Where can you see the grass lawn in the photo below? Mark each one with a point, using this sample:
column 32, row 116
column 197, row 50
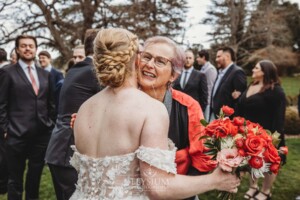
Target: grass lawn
column 291, row 85
column 286, row 187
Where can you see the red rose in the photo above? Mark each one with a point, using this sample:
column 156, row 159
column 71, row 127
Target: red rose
column 271, row 154
column 239, row 143
column 284, row 150
column 253, row 145
column 241, row 152
column 231, row 128
column 220, row 128
column 227, row 110
column 242, row 129
column 274, row 168
column 211, row 128
column 256, row 162
column 239, row 121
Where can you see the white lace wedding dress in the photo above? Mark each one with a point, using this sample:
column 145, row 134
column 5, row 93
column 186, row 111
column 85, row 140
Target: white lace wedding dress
column 118, row 177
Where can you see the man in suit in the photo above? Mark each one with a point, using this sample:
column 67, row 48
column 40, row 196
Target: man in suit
column 80, row 84
column 211, row 74
column 27, row 118
column 79, row 53
column 230, row 83
column 192, row 82
column 55, row 75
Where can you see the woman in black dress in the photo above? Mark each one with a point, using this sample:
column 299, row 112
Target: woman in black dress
column 264, row 103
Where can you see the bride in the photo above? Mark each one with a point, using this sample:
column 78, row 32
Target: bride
column 121, row 145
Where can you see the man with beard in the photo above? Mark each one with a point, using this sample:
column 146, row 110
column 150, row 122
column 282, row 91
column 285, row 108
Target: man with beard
column 230, row 83
column 26, row 119
column 192, row 82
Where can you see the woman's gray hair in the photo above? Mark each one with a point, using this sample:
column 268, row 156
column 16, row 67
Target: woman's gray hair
column 178, row 60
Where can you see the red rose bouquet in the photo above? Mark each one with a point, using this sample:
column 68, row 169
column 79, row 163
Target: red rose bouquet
column 241, row 145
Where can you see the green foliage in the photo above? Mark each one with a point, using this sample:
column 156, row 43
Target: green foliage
column 291, row 86
column 286, row 186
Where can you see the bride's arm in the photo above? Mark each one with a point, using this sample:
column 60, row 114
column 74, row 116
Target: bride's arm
column 162, row 185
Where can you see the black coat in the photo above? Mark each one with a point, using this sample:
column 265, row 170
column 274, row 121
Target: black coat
column 56, row 80
column 266, row 108
column 195, row 87
column 21, row 111
column 233, row 79
column 79, row 85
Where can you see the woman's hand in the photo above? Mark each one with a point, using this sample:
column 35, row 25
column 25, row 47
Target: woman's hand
column 236, row 94
column 225, row 181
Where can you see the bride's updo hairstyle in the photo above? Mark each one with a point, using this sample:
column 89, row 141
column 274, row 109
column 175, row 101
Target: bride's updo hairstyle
column 115, row 50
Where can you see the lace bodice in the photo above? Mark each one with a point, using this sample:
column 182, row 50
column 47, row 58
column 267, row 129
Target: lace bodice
column 118, row 177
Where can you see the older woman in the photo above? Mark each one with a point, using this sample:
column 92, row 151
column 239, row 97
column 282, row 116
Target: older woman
column 160, row 63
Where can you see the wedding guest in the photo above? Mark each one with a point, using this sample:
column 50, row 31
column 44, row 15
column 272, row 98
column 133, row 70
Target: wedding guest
column 80, row 84
column 192, row 82
column 55, row 75
column 78, row 53
column 264, row 103
column 211, row 74
column 13, row 57
column 112, row 147
column 230, row 83
column 161, row 61
column 27, row 115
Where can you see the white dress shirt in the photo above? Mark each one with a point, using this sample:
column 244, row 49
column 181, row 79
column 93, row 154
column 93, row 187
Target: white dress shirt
column 24, row 66
column 183, row 74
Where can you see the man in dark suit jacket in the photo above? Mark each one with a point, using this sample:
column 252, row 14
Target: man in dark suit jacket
column 26, row 118
column 55, row 75
column 79, row 85
column 230, row 83
column 192, row 82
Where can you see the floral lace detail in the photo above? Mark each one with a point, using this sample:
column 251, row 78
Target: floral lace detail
column 117, row 177
column 161, row 159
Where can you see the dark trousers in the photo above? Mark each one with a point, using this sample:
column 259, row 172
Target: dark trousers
column 18, row 151
column 3, row 168
column 64, row 180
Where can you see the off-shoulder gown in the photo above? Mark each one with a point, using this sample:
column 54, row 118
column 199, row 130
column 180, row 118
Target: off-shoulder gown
column 119, row 177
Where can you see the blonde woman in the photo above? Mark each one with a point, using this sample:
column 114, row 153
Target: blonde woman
column 122, row 149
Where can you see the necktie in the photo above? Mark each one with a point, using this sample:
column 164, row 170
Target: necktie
column 184, row 80
column 33, row 82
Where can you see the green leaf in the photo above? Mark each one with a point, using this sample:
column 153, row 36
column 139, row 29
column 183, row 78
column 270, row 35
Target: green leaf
column 204, row 137
column 204, row 122
column 209, row 145
column 212, row 152
column 275, row 138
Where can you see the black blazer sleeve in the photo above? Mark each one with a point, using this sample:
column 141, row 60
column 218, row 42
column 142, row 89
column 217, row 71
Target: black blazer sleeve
column 279, row 105
column 4, row 88
column 203, row 91
column 51, row 100
column 239, row 84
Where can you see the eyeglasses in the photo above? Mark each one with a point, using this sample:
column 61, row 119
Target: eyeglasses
column 158, row 60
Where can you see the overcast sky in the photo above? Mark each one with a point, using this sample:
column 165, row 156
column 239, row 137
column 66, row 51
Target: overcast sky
column 197, row 11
